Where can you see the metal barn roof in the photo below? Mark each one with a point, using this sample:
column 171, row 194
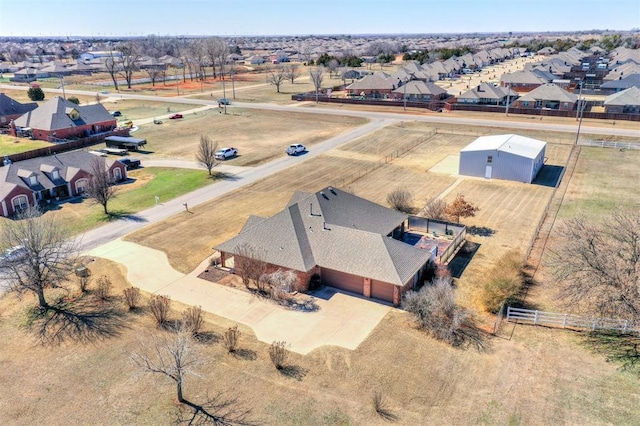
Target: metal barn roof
column 514, row 144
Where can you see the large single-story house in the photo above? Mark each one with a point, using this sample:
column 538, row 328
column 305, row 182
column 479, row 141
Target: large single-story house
column 488, row 94
column 60, row 119
column 376, row 86
column 509, row 157
column 548, row 96
column 523, row 81
column 625, row 102
column 45, row 179
column 349, row 242
column 417, row 90
column 11, row 109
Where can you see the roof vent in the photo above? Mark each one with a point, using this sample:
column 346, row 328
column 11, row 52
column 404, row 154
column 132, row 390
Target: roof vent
column 324, row 195
column 333, row 191
column 324, row 227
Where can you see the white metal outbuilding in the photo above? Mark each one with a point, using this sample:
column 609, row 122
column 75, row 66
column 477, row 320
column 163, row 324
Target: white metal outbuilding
column 509, row 157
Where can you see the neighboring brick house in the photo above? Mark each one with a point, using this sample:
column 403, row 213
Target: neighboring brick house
column 419, row 91
column 488, row 94
column 46, row 179
column 376, row 86
column 350, row 242
column 523, row 81
column 625, row 102
column 60, row 119
column 547, row 96
column 11, row 109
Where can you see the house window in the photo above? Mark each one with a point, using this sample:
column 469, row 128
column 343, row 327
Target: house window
column 489, row 159
column 33, row 180
column 21, row 202
column 55, row 174
column 81, row 186
column 117, row 174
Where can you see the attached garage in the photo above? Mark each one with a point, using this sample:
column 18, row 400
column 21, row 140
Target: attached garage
column 342, row 280
column 509, row 157
column 381, row 290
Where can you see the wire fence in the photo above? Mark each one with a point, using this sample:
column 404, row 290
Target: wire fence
column 342, row 183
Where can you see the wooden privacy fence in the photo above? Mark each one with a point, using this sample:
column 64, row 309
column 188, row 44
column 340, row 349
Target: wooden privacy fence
column 553, row 319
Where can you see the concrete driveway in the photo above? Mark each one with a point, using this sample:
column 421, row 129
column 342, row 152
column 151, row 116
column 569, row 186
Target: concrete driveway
column 341, row 320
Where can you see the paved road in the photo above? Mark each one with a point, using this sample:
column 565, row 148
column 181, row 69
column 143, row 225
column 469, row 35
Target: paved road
column 237, row 178
column 432, row 118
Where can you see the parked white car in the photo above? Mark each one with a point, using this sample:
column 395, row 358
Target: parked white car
column 295, row 149
column 226, row 153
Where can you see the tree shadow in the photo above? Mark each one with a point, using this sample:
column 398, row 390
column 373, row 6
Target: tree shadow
column 293, row 372
column 622, row 349
column 304, row 305
column 216, row 410
column 122, row 215
column 462, row 258
column 481, row 231
column 84, row 319
column 206, row 337
column 223, row 176
column 245, row 354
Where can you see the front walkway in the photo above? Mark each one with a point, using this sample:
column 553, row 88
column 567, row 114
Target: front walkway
column 341, row 320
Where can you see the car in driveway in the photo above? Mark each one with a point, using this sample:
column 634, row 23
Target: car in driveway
column 13, row 254
column 295, row 149
column 130, row 163
column 116, row 113
column 224, row 101
column 175, row 116
column 226, row 153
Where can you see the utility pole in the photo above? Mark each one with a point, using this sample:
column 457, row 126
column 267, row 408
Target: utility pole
column 233, row 86
column 64, row 95
column 508, row 100
column 579, row 114
column 579, row 101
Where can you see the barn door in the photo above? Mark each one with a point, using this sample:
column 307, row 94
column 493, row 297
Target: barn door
column 488, row 171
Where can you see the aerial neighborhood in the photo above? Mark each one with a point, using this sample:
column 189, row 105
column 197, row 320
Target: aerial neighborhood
column 353, row 229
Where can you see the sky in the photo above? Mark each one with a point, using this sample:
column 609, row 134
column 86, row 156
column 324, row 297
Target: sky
column 42, row 18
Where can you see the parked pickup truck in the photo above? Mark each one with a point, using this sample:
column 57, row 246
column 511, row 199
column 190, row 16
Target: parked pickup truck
column 130, row 163
column 226, row 153
column 295, row 149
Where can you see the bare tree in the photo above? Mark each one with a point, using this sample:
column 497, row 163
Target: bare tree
column 129, row 60
column 332, row 66
column 160, row 306
column 206, row 154
column 400, row 199
column 292, row 72
column 38, row 254
column 231, row 337
column 460, row 208
column 113, row 66
column 276, row 76
column 597, row 265
column 435, row 209
column 131, row 297
column 436, row 312
column 100, row 187
column 172, row 356
column 279, row 352
column 249, row 265
column 193, row 320
column 317, row 75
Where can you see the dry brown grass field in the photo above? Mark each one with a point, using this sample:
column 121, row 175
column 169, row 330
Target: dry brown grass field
column 529, row 376
column 534, row 377
column 259, row 135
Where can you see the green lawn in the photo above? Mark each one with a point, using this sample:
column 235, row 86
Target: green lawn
column 134, row 196
column 12, row 145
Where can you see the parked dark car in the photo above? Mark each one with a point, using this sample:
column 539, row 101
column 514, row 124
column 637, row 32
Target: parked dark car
column 116, row 113
column 130, row 163
column 224, row 101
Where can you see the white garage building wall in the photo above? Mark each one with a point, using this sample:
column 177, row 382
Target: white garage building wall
column 509, row 157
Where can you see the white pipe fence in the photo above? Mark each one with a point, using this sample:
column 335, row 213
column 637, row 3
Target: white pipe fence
column 553, row 319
